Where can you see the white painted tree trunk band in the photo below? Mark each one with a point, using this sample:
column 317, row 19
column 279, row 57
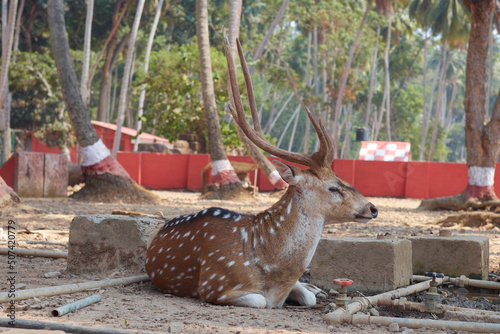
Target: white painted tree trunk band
column 481, row 176
column 220, row 165
column 94, row 153
column 274, row 177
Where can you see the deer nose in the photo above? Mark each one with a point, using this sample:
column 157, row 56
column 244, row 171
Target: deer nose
column 373, row 210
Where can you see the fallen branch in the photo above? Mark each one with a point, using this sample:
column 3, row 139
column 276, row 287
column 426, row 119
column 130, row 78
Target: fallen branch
column 34, row 252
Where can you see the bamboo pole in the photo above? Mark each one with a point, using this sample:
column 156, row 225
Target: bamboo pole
column 34, row 252
column 71, row 288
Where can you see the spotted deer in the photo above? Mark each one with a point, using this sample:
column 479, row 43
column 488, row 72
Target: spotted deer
column 228, row 258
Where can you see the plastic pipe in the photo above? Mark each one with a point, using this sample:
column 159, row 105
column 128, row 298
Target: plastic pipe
column 71, row 288
column 34, row 252
column 362, row 319
column 71, row 307
column 33, row 324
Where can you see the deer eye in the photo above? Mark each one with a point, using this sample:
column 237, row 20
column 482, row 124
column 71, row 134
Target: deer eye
column 334, row 189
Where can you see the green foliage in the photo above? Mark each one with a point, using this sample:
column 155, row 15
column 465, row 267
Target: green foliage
column 37, row 99
column 174, row 103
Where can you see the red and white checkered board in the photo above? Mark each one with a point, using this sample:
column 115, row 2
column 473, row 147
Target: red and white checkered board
column 384, row 151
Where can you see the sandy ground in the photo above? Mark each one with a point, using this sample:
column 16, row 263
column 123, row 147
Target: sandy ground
column 141, row 307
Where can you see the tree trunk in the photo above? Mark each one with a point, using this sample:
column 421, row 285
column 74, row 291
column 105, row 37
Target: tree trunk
column 373, row 78
column 387, row 89
column 142, row 95
column 439, row 99
column 425, row 119
column 427, row 112
column 308, row 83
column 4, row 78
column 223, row 175
column 109, row 47
column 268, row 35
column 105, row 178
column 482, row 138
column 122, row 105
column 84, row 90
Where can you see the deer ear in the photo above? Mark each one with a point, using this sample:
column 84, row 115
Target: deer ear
column 287, row 173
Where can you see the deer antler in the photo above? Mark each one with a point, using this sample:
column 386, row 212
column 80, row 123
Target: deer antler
column 322, row 158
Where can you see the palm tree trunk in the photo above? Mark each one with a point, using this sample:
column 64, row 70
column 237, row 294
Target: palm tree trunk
column 105, row 178
column 387, row 89
column 223, row 173
column 425, row 117
column 373, row 78
column 439, row 99
column 142, row 96
column 86, row 53
column 126, row 76
column 345, row 71
column 268, row 35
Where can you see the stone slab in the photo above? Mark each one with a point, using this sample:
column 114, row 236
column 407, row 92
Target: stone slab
column 453, row 256
column 28, row 177
column 374, row 265
column 107, row 243
column 55, row 182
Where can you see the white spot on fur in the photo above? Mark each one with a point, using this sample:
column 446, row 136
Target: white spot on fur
column 238, row 286
column 221, row 258
column 211, row 237
column 237, row 218
column 205, row 224
column 222, row 298
column 216, row 212
column 213, row 276
column 186, row 234
column 229, row 264
column 244, row 235
column 187, row 257
column 235, row 229
column 246, row 263
column 222, row 277
column 272, row 230
column 289, row 207
column 226, row 216
column 204, row 283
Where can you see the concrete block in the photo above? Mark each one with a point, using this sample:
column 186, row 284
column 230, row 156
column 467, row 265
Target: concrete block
column 106, row 243
column 374, row 265
column 453, row 256
column 55, row 182
column 28, row 177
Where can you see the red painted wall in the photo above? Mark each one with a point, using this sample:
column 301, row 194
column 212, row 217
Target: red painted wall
column 371, row 178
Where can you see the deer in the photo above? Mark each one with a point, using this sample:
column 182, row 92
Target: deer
column 228, row 258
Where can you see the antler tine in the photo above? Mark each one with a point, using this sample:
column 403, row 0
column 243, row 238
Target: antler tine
column 252, row 134
column 325, row 154
column 251, row 96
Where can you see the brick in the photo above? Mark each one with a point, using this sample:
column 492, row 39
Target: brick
column 453, row 256
column 28, row 178
column 374, row 265
column 105, row 243
column 55, row 183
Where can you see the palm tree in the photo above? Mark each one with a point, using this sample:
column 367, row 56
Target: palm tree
column 142, row 95
column 105, row 178
column 223, row 173
column 4, row 75
column 86, row 52
column 482, row 136
column 127, row 72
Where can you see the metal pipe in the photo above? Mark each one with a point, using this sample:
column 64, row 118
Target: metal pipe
column 33, row 324
column 463, row 281
column 71, row 307
column 404, row 305
column 491, row 317
column 70, row 288
column 362, row 304
column 34, row 252
column 362, row 319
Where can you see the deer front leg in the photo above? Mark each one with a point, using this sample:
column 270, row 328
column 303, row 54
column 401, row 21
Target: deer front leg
column 305, row 294
column 236, row 298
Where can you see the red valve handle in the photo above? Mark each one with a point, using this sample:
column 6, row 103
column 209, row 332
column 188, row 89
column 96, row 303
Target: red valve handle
column 342, row 281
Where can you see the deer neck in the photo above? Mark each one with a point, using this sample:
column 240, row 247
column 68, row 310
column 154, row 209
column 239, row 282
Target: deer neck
column 293, row 229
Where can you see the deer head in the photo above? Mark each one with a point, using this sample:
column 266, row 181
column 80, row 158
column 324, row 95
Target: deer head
column 224, row 257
